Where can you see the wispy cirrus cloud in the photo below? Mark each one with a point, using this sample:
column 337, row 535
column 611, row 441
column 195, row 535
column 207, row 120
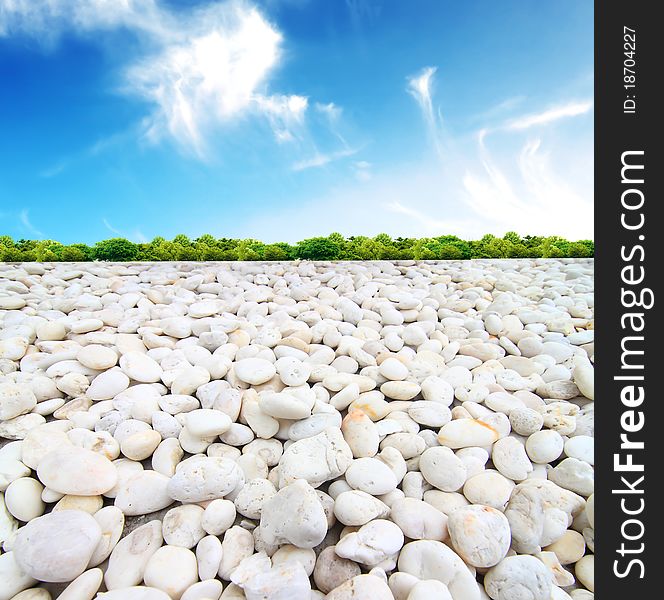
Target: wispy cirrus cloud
column 110, row 227
column 320, row 160
column 420, row 87
column 24, row 219
column 136, row 235
column 533, row 197
column 362, row 170
column 569, row 109
column 427, row 221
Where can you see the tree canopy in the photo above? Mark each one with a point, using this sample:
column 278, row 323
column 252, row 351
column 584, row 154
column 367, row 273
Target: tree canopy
column 333, row 247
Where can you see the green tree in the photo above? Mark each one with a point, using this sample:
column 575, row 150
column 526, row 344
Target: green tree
column 73, row 254
column 318, row 248
column 116, row 249
column 512, row 237
column 332, row 247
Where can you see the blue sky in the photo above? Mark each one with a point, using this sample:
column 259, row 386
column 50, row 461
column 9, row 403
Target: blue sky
column 284, row 119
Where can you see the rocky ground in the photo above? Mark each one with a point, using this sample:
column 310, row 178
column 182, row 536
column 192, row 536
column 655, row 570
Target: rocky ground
column 269, row 431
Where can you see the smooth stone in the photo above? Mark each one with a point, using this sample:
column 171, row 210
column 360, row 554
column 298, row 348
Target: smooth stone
column 219, row 515
column 430, row 559
column 8, row 524
column 357, row 508
column 331, row 570
column 171, row 569
column 443, row 469
column 77, row 471
column 140, row 445
column 575, row 475
column 18, row 427
column 23, row 499
column 208, row 555
column 13, row 348
column 581, row 447
column 182, row 526
column 400, row 390
column 570, row 548
column 371, row 475
column 140, row 367
column 76, row 535
column 285, row 581
column 205, row 478
column 419, row 520
column 97, row 357
column 167, row 456
column 84, row 587
column 32, row 594
column 583, row 374
column 15, row 400
column 360, row 434
column 516, row 575
column 127, row 561
column 111, row 521
column 12, row 577
column 585, row 571
column 479, row 534
column 40, row 441
column 431, row 588
column 463, row 433
column 205, row 423
column 88, row 504
column 489, row 488
column 393, row 369
column 138, row 592
column 289, row 553
column 509, row 457
column 207, row 589
column 372, row 543
column 143, row 492
column 108, row 384
column 361, row 586
column 285, row 406
column 317, row 459
column 254, row 371
column 544, row 446
column 238, row 544
column 295, row 516
column 430, row 414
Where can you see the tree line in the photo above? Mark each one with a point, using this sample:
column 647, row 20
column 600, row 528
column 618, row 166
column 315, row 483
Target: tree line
column 333, row 247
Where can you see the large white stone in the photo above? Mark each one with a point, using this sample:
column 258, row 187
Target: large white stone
column 74, row 533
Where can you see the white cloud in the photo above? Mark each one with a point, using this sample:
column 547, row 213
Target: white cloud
column 363, row 170
column 420, row 87
column 213, row 75
column 48, row 19
column 427, row 221
column 571, row 109
column 136, row 236
column 532, row 186
column 110, row 227
column 139, row 237
column 330, row 110
column 533, row 198
column 201, row 69
column 320, row 160
column 55, row 169
column 285, row 114
column 24, row 218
